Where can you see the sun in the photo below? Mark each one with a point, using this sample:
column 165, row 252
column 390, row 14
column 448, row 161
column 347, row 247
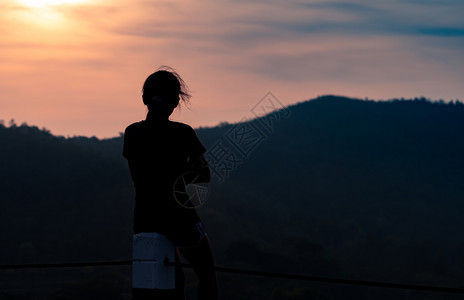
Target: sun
column 42, row 3
column 47, row 13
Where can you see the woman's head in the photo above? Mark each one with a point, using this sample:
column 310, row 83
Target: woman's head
column 163, row 90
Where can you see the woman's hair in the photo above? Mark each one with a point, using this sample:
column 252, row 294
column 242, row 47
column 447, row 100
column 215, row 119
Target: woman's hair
column 165, row 83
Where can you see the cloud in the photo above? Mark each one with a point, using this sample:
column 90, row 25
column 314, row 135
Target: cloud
column 352, row 7
column 441, row 31
column 230, row 52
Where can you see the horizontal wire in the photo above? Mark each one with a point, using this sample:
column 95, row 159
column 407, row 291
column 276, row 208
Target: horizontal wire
column 330, row 280
column 68, row 265
column 426, row 288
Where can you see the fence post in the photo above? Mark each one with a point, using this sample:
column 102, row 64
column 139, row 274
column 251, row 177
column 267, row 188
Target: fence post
column 150, row 276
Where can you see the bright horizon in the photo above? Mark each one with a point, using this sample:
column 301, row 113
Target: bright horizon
column 76, row 67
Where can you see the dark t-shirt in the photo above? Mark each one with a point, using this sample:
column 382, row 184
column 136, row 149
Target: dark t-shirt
column 158, row 154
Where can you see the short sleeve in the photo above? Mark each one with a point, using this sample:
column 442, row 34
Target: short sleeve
column 126, row 148
column 196, row 147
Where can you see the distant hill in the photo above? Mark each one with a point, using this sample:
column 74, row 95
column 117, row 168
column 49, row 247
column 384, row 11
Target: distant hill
column 333, row 186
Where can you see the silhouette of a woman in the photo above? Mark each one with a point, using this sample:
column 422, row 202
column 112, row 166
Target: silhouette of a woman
column 159, row 152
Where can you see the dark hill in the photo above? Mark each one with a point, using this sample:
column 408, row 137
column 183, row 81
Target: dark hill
column 377, row 185
column 335, row 186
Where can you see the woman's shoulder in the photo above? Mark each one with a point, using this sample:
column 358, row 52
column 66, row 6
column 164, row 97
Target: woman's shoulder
column 179, row 125
column 142, row 125
column 135, row 126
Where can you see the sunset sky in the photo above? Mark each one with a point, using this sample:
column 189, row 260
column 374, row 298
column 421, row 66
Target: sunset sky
column 77, row 67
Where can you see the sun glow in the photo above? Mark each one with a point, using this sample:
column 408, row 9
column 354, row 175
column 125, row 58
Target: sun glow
column 42, row 3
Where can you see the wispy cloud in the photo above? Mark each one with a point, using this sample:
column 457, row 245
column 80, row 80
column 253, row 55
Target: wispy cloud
column 443, row 31
column 230, row 52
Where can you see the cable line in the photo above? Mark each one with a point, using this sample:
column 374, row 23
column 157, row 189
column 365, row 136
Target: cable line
column 330, row 280
column 68, row 265
column 426, row 288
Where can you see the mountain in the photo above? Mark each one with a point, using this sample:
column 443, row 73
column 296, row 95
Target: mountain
column 339, row 187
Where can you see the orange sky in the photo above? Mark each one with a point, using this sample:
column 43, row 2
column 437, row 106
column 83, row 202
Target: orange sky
column 77, row 68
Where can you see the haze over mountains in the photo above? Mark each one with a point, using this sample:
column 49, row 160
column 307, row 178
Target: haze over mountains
column 335, row 187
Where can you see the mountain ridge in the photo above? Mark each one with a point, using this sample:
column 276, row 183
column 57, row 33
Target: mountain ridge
column 341, row 187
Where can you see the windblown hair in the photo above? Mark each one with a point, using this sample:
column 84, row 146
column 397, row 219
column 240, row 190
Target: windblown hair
column 167, row 83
